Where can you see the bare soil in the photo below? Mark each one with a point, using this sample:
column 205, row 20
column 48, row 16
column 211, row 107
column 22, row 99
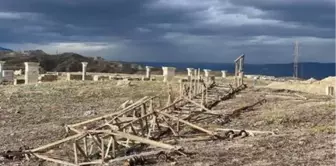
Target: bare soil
column 34, row 115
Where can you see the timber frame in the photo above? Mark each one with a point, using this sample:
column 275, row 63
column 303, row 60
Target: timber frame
column 141, row 128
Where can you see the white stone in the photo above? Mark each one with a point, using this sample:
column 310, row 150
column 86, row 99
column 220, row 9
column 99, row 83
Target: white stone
column 18, row 72
column 148, row 72
column 224, row 73
column 84, row 65
column 190, row 70
column 31, row 72
column 168, row 73
column 330, row 91
column 1, row 68
column 207, row 72
column 8, row 75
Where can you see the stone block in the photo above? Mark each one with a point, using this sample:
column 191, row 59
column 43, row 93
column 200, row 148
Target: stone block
column 8, row 75
column 48, row 78
column 71, row 76
column 330, row 90
column 168, row 73
column 100, row 78
column 31, row 72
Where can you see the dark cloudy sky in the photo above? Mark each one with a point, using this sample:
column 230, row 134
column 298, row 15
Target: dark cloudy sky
column 173, row 30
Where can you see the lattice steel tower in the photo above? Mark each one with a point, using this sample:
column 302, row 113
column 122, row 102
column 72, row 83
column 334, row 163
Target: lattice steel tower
column 296, row 60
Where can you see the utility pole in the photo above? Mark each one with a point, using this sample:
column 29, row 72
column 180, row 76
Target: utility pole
column 296, row 60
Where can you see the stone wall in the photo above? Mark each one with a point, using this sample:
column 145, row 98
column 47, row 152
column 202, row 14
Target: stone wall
column 71, row 76
column 48, row 78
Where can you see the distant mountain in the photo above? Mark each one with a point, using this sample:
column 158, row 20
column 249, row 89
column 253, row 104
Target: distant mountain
column 306, row 70
column 66, row 62
column 5, row 49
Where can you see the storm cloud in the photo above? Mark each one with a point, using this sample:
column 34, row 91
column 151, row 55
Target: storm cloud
column 173, row 30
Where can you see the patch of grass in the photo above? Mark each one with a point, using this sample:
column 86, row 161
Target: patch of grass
column 323, row 129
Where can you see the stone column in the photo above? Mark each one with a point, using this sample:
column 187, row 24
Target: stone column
column 148, row 72
column 1, row 69
column 84, row 65
column 31, row 72
column 206, row 73
column 190, row 71
column 168, row 73
column 330, row 91
column 223, row 73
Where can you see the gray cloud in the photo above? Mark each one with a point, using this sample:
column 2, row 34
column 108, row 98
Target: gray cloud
column 173, row 30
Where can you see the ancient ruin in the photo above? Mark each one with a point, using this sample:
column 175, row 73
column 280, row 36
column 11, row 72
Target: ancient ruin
column 190, row 71
column 206, row 73
column 330, row 91
column 223, row 73
column 8, row 75
column 148, row 72
column 84, row 65
column 168, row 73
column 1, row 69
column 31, row 72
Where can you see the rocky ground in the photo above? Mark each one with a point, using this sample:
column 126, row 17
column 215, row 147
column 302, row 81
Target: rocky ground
column 35, row 115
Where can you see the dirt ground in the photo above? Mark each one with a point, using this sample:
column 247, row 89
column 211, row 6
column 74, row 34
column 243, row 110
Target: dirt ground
column 34, row 115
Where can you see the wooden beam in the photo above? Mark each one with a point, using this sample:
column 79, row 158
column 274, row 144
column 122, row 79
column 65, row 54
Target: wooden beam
column 137, row 138
column 199, row 105
column 75, row 153
column 130, row 107
column 56, row 143
column 54, row 160
column 241, row 56
column 136, row 155
column 189, row 124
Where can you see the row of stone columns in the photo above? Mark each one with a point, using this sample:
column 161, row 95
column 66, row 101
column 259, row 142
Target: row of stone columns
column 168, row 72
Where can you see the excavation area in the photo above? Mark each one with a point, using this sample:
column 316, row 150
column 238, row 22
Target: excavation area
column 194, row 122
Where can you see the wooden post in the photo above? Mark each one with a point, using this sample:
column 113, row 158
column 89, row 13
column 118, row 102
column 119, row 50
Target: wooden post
column 85, row 145
column 108, row 147
column 202, row 101
column 75, row 152
column 102, row 150
column 194, row 83
column 181, row 89
column 189, row 124
column 206, row 95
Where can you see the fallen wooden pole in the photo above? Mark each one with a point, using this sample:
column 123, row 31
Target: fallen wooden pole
column 135, row 155
column 137, row 138
column 130, row 107
column 199, row 105
column 189, row 124
column 56, row 143
column 54, row 160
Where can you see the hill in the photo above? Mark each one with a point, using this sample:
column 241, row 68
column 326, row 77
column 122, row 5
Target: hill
column 4, row 49
column 65, row 62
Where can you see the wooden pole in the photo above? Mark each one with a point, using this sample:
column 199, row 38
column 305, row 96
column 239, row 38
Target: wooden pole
column 54, row 160
column 189, row 124
column 56, row 143
column 199, row 105
column 75, row 152
column 139, row 139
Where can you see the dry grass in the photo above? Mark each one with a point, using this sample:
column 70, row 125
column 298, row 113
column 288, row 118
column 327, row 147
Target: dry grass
column 35, row 114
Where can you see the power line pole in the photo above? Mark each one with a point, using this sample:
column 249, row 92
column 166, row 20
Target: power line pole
column 296, row 60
